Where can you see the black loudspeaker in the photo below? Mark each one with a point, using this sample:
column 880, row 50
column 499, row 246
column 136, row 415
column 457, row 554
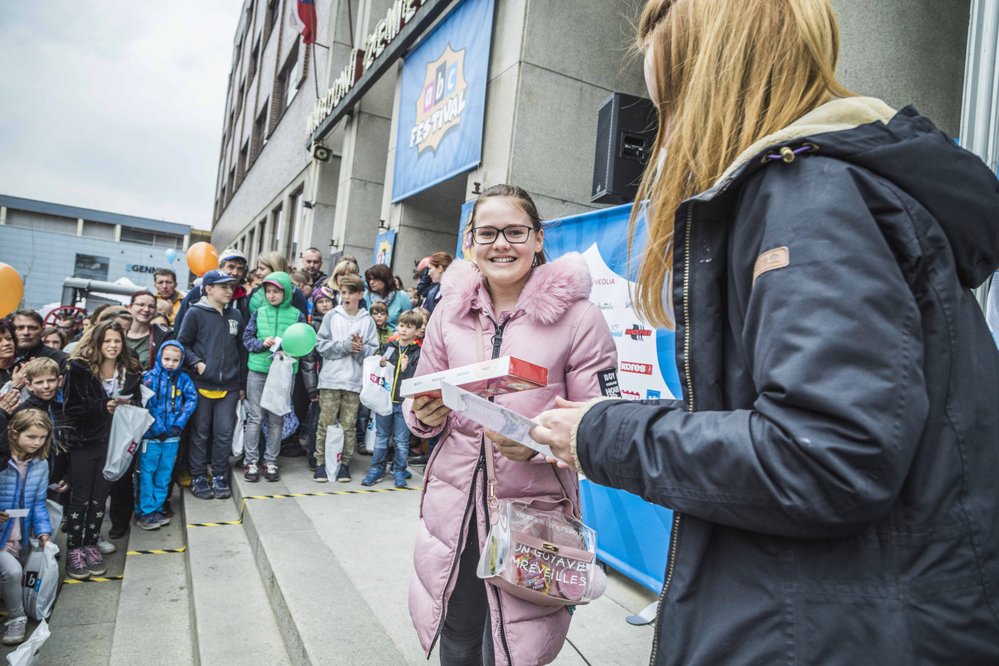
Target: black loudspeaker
column 626, row 133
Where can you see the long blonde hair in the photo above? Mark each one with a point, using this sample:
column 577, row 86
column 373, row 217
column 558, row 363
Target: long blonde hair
column 727, row 73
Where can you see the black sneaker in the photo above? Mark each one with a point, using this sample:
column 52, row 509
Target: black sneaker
column 343, row 474
column 251, row 473
column 292, row 451
column 220, row 489
column 271, row 472
column 362, row 450
column 200, row 487
column 118, row 531
column 167, row 510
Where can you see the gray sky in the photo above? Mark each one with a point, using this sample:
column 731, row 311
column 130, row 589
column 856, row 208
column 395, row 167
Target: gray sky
column 116, row 106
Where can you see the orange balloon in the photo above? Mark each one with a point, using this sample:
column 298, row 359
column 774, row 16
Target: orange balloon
column 11, row 289
column 201, row 258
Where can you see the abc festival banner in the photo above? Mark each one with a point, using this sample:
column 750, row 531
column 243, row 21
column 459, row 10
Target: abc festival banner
column 442, row 101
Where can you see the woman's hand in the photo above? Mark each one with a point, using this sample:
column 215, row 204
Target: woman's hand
column 509, row 448
column 430, row 411
column 61, row 487
column 19, row 378
column 555, row 429
column 111, row 406
column 10, row 400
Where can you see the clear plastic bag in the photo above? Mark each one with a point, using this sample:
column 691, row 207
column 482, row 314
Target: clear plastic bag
column 333, row 447
column 538, row 554
column 27, row 653
column 237, row 432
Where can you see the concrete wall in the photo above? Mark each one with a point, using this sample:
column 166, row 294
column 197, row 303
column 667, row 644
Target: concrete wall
column 907, row 52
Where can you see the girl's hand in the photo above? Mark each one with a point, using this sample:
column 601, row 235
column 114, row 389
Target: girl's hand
column 268, row 343
column 430, row 411
column 111, row 405
column 555, row 429
column 43, row 539
column 3, row 517
column 509, row 448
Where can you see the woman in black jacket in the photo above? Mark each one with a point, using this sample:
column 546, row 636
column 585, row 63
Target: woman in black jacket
column 100, row 375
column 832, row 465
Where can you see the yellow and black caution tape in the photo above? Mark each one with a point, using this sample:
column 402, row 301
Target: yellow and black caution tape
column 157, row 551
column 93, row 579
column 242, row 504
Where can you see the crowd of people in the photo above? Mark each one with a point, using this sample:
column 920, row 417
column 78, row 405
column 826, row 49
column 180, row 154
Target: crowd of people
column 831, row 466
column 201, row 357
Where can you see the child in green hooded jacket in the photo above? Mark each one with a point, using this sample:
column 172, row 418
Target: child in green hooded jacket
column 266, row 325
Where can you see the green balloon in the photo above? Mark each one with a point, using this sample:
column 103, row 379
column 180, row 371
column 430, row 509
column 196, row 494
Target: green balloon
column 298, row 340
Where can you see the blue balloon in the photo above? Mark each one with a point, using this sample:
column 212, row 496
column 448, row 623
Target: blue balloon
column 171, row 255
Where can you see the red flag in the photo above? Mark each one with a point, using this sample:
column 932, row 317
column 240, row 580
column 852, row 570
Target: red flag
column 304, row 21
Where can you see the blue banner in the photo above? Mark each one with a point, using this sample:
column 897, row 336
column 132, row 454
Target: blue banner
column 384, row 245
column 442, row 101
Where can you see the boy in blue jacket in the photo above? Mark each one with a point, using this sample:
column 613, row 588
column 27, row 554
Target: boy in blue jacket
column 171, row 405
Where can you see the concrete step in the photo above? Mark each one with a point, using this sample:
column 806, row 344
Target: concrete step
column 155, row 619
column 337, row 568
column 326, row 613
column 232, row 614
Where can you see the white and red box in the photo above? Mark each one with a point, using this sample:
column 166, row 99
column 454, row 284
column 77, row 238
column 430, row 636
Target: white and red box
column 506, row 374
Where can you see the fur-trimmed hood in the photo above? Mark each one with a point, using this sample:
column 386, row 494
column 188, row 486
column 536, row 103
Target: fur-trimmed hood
column 550, row 291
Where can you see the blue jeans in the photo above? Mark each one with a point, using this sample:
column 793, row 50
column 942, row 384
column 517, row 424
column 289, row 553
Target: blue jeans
column 394, row 426
column 155, row 471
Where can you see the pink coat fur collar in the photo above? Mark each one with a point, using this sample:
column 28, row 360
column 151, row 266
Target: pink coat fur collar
column 551, row 290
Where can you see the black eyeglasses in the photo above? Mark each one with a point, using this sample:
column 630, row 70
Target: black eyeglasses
column 515, row 234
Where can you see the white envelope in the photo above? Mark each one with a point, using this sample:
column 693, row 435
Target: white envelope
column 491, row 416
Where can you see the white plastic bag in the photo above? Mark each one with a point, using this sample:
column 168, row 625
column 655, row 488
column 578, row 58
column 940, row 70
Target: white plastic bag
column 41, row 580
column 27, row 654
column 276, row 397
column 334, row 447
column 237, row 432
column 130, row 423
column 376, row 388
column 55, row 514
column 371, row 434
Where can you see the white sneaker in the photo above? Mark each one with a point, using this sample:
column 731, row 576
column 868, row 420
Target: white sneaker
column 105, row 546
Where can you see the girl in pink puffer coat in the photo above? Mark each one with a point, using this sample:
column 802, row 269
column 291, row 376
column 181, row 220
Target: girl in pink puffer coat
column 537, row 312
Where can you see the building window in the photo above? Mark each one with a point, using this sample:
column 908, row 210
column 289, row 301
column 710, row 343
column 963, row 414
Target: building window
column 260, row 236
column 232, row 181
column 259, row 133
column 254, row 57
column 143, row 237
column 91, row 267
column 290, row 76
column 239, row 99
column 243, row 167
column 270, row 21
column 295, row 224
column 276, row 228
column 248, row 250
column 98, row 230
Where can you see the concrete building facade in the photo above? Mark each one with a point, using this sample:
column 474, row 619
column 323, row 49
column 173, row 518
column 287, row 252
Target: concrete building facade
column 552, row 63
column 47, row 242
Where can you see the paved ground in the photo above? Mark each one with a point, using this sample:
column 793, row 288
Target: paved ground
column 278, row 576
